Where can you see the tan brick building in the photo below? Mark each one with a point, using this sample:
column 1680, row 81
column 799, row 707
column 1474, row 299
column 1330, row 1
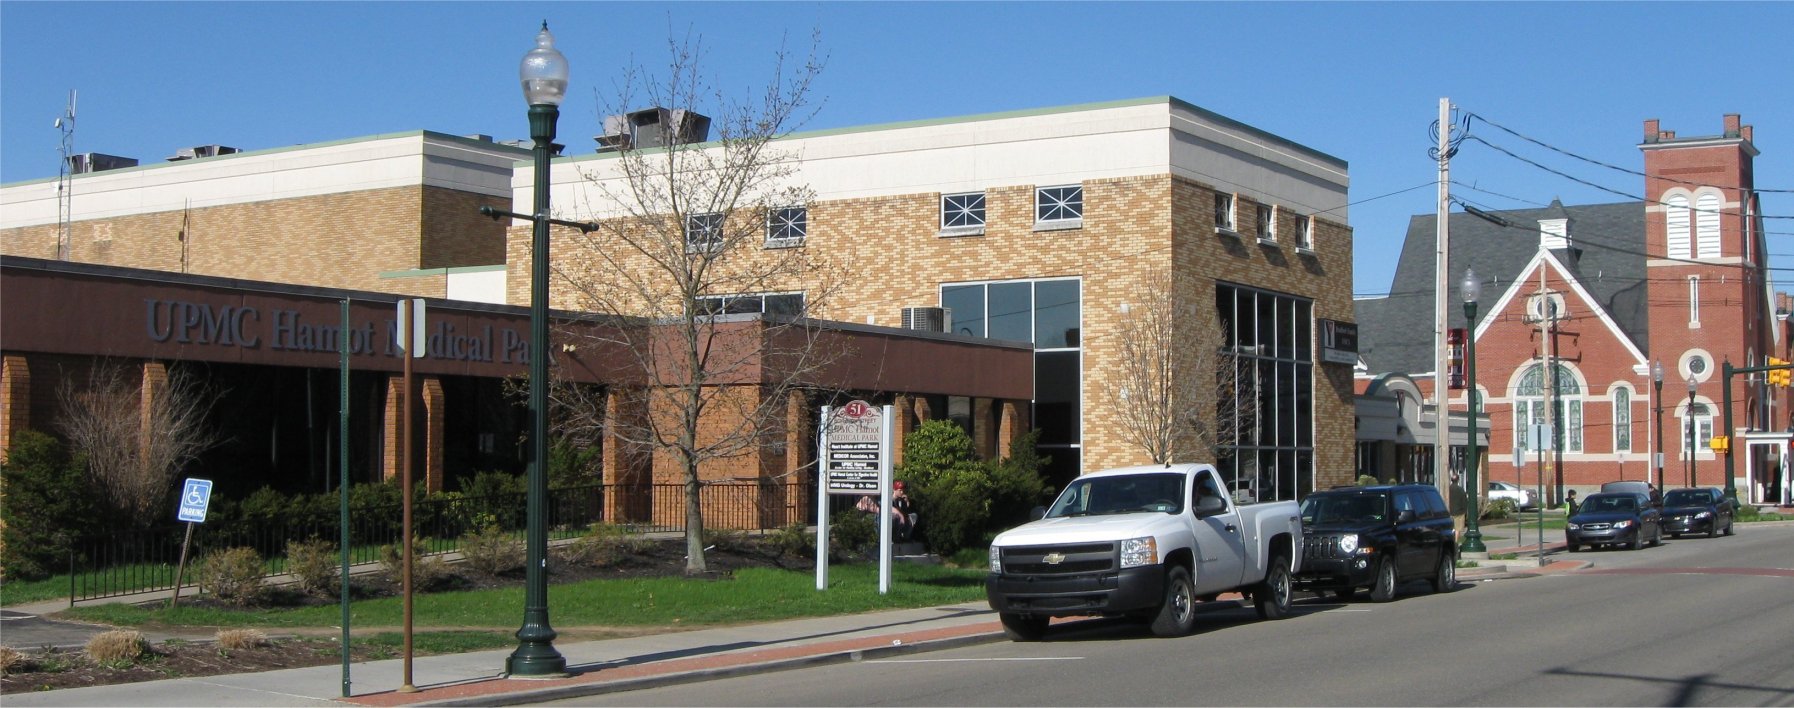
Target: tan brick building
column 1039, row 226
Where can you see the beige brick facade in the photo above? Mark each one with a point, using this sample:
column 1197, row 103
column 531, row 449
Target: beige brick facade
column 897, row 258
column 343, row 240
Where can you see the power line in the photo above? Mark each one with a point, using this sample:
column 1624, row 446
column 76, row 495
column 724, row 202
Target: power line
column 1603, row 188
column 1593, row 161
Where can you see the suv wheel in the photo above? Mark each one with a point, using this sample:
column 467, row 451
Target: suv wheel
column 1384, row 589
column 1446, row 579
column 1177, row 614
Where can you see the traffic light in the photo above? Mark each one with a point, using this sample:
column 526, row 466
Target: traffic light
column 1722, row 443
column 1780, row 375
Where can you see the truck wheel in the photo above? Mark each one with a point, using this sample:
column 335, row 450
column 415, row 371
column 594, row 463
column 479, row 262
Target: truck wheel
column 1271, row 597
column 1024, row 628
column 1177, row 614
column 1384, row 590
column 1446, row 578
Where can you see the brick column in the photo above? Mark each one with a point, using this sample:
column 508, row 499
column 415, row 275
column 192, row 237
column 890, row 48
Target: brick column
column 155, row 383
column 392, row 429
column 1013, row 424
column 984, row 437
column 434, row 413
column 799, row 436
column 15, row 399
column 624, row 470
column 902, row 411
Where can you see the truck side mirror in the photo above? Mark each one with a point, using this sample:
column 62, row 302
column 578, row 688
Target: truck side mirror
column 1209, row 506
column 1037, row 513
column 1405, row 516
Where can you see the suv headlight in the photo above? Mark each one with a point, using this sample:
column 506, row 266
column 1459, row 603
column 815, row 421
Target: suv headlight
column 1622, row 524
column 996, row 560
column 1141, row 551
column 1703, row 515
column 1348, row 543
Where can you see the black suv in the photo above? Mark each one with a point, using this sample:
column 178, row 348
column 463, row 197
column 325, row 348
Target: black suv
column 1377, row 537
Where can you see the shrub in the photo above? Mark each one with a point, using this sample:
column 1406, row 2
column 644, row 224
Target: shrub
column 1500, row 509
column 238, row 639
column 492, row 551
column 570, row 465
column 951, row 487
column 794, row 541
column 1365, row 480
column 852, row 535
column 427, row 571
column 46, row 506
column 727, row 539
column 11, row 660
column 1017, row 485
column 315, row 566
column 119, row 646
column 603, row 546
column 234, row 575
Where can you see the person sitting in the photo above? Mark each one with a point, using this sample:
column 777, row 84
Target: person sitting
column 903, row 515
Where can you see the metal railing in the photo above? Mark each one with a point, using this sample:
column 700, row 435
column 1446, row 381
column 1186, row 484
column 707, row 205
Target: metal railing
column 144, row 561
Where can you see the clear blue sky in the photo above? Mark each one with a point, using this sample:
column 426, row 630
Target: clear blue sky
column 1360, row 81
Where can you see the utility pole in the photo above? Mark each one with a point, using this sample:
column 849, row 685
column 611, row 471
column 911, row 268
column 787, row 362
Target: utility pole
column 1548, row 322
column 1441, row 266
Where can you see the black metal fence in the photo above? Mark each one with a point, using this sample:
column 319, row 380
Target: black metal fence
column 145, row 561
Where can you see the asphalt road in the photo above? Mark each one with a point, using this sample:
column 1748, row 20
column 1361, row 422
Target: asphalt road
column 1694, row 622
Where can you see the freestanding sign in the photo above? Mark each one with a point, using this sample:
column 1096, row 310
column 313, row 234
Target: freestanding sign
column 196, row 495
column 855, row 445
column 855, row 449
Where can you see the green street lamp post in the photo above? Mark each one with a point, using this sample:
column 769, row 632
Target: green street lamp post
column 544, row 77
column 1657, row 383
column 1690, row 422
column 1471, row 289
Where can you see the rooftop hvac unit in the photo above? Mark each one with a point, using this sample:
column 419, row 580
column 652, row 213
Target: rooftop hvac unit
column 653, row 127
column 928, row 319
column 98, row 162
column 198, row 151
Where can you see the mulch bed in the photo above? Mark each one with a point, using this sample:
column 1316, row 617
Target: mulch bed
column 54, row 669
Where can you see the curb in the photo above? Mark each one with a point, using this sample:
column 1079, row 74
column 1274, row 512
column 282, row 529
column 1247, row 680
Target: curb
column 697, row 675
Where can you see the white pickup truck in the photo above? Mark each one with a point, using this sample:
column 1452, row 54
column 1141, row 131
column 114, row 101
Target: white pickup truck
column 1144, row 542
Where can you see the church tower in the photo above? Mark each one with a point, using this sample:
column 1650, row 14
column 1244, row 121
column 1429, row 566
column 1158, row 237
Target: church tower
column 1708, row 296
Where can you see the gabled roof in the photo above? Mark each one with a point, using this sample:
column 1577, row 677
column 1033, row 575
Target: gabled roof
column 1395, row 332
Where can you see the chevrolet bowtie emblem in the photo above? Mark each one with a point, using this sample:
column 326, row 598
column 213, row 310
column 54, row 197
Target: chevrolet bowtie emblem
column 1054, row 558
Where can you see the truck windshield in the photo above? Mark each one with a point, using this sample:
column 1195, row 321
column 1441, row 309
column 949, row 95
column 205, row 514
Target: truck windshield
column 1345, row 508
column 1121, row 494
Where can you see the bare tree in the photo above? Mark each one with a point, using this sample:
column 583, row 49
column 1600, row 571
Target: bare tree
column 1179, row 393
column 134, row 441
column 692, row 234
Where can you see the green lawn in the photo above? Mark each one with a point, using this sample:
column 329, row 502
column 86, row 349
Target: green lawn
column 752, row 595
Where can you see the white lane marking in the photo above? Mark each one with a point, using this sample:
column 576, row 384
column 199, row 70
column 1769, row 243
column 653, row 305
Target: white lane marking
column 958, row 661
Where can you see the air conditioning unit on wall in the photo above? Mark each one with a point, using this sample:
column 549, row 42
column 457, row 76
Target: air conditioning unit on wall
column 928, row 319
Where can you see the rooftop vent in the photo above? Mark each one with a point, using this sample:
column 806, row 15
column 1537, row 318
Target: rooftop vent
column 198, row 151
column 653, row 127
column 98, row 162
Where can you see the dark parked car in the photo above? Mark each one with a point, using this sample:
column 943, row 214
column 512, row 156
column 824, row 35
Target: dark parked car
column 1377, row 537
column 1697, row 510
column 1614, row 518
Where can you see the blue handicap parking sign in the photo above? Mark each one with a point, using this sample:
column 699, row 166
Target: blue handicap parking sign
column 195, row 495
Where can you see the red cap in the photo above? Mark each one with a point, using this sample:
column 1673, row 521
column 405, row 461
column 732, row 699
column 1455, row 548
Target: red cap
column 900, row 484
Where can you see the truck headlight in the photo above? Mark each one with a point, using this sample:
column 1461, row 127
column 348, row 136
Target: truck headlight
column 1703, row 515
column 1622, row 524
column 1348, row 543
column 1139, row 551
column 996, row 560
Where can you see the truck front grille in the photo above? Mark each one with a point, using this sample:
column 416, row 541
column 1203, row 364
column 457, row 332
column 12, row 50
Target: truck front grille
column 1068, row 559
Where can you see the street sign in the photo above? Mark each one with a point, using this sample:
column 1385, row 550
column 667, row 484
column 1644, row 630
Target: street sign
column 411, row 318
column 854, row 449
column 196, row 494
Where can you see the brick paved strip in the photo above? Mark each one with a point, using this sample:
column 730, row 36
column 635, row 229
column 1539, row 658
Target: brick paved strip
column 1764, row 572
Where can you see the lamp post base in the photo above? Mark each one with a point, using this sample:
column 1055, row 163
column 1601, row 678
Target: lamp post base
column 536, row 660
column 1473, row 542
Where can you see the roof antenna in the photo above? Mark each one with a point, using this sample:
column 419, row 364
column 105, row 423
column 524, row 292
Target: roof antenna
column 64, row 171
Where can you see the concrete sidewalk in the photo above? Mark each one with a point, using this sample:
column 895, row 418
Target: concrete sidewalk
column 613, row 665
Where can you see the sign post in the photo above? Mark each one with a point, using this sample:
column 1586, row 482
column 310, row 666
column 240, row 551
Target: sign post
column 196, row 495
column 411, row 346
column 856, row 460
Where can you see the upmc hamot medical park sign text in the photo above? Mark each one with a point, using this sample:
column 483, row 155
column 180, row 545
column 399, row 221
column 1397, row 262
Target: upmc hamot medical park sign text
column 184, row 322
